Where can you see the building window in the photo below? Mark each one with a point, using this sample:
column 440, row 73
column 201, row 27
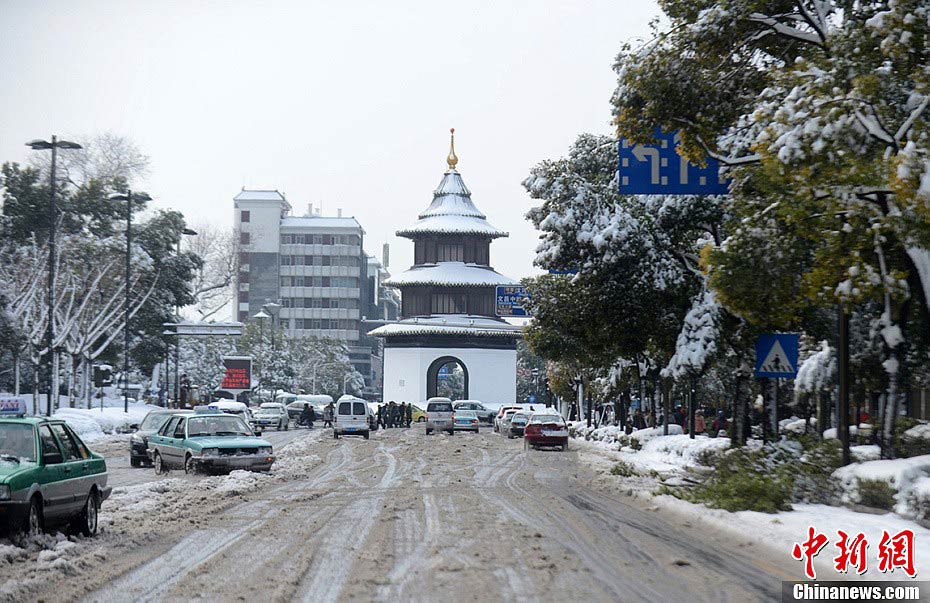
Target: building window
column 244, row 238
column 448, row 303
column 244, row 215
column 450, row 252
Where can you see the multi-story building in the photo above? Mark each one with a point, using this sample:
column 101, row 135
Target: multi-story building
column 315, row 267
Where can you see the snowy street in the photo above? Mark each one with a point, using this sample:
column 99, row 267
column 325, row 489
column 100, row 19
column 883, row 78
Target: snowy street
column 403, row 516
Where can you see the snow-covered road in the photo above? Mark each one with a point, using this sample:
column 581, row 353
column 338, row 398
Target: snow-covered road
column 404, row 516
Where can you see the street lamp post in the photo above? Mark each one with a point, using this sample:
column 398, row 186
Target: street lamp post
column 261, row 315
column 42, row 145
column 273, row 309
column 128, row 198
column 177, row 341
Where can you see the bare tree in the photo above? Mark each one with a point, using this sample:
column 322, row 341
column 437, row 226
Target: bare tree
column 213, row 281
column 107, row 157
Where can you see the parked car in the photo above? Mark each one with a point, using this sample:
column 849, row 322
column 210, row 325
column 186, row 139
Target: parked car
column 295, row 403
column 518, row 421
column 466, row 420
column 139, row 442
column 48, row 476
column 500, row 415
column 483, row 412
column 353, row 417
column 440, row 415
column 503, row 423
column 272, row 414
column 209, row 440
column 545, row 429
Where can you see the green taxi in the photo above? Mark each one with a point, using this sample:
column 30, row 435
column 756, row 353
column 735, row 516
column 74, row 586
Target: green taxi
column 48, row 476
column 210, row 441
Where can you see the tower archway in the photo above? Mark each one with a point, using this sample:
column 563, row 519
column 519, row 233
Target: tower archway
column 447, row 376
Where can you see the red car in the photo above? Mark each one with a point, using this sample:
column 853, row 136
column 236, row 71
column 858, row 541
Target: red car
column 545, row 429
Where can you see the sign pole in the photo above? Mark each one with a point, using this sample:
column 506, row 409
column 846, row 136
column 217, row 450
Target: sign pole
column 692, row 407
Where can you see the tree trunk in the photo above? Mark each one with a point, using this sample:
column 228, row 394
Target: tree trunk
column 56, row 366
column 739, row 408
column 16, row 369
column 891, row 405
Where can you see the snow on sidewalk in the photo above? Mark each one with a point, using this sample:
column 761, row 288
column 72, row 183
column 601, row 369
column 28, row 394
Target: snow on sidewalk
column 95, row 423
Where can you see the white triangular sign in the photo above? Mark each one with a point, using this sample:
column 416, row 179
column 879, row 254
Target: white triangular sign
column 776, row 361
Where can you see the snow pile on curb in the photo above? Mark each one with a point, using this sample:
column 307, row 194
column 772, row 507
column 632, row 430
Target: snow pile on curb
column 900, row 475
column 918, row 432
column 95, row 423
column 615, row 437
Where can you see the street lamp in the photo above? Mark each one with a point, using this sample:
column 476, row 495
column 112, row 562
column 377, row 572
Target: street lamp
column 128, row 198
column 273, row 309
column 42, row 145
column 261, row 315
column 177, row 341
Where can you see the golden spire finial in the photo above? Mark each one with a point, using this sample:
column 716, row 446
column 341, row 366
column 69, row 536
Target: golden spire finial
column 452, row 160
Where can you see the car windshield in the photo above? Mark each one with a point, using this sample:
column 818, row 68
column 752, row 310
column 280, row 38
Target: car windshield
column 17, row 442
column 154, row 420
column 216, row 426
column 439, row 407
column 519, row 418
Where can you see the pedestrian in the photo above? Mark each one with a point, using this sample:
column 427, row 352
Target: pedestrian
column 328, row 411
column 409, row 414
column 391, row 414
column 306, row 416
column 699, row 424
column 381, row 415
column 650, row 418
column 720, row 425
column 639, row 422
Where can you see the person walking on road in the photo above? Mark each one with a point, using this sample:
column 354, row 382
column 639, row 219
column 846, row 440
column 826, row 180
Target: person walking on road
column 381, row 415
column 409, row 414
column 699, row 424
column 306, row 416
column 328, row 411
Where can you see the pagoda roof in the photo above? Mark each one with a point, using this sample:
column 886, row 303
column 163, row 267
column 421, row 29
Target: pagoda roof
column 450, row 274
column 452, row 212
column 450, row 324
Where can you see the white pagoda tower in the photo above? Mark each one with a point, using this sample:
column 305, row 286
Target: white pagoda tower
column 448, row 297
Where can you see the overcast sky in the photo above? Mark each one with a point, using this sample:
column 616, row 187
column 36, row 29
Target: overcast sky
column 347, row 104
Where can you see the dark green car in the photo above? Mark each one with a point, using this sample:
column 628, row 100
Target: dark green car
column 48, row 477
column 208, row 440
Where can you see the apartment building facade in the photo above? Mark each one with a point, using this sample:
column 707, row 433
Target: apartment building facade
column 315, row 267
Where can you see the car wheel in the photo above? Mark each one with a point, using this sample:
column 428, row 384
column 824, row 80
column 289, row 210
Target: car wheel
column 564, row 446
column 135, row 462
column 286, row 425
column 421, row 419
column 35, row 521
column 87, row 520
column 160, row 468
column 509, row 436
column 429, row 431
column 190, row 467
column 366, row 435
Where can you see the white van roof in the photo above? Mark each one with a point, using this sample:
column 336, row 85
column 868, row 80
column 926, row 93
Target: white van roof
column 317, row 398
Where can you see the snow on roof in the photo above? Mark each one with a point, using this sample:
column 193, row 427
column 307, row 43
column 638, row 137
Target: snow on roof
column 452, row 224
column 319, row 222
column 259, row 195
column 454, row 324
column 450, row 273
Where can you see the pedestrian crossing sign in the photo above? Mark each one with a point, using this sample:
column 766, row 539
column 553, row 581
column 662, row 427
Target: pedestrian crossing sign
column 777, row 355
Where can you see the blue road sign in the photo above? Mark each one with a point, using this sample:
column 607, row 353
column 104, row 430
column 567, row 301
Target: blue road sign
column 532, row 399
column 510, row 300
column 657, row 169
column 777, row 355
column 563, row 271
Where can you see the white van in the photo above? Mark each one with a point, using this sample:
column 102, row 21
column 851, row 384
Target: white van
column 353, row 417
column 440, row 415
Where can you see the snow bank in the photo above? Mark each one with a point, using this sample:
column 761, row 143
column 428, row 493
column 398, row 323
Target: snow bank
column 899, row 474
column 918, row 432
column 93, row 424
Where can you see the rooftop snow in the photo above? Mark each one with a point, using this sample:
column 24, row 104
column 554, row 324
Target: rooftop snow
column 450, row 273
column 319, row 222
column 452, row 224
column 455, row 324
column 259, row 195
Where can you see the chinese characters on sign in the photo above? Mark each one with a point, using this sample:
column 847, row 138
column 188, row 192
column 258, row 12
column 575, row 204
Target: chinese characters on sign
column 895, row 551
column 510, row 301
column 238, row 374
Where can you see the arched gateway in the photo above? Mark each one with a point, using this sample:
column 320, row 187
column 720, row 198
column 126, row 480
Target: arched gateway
column 448, row 305
column 455, row 382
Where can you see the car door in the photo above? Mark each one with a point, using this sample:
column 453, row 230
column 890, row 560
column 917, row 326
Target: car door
column 175, row 447
column 76, row 480
column 55, row 493
column 161, row 442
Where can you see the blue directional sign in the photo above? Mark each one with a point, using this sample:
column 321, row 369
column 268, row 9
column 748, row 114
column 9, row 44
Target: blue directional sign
column 571, row 271
column 777, row 355
column 657, row 169
column 510, row 300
